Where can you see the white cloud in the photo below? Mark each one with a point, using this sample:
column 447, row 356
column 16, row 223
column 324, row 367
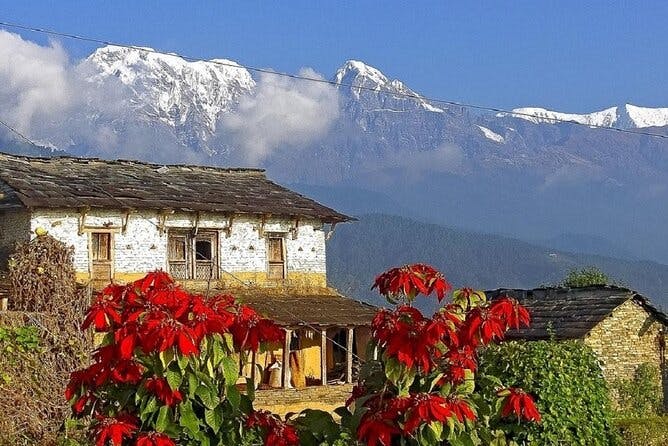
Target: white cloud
column 36, row 81
column 282, row 112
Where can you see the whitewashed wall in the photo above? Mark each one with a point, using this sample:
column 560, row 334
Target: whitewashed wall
column 143, row 247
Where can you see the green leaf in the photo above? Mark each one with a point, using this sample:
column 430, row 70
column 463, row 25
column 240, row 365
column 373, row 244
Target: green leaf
column 218, row 352
column 174, row 378
column 230, row 370
column 162, row 421
column 233, row 396
column 193, row 384
column 214, row 418
column 183, row 361
column 166, row 357
column 208, row 396
column 229, row 341
column 188, row 418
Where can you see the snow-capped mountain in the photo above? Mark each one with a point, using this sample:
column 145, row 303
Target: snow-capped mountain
column 365, row 81
column 440, row 162
column 186, row 96
column 626, row 116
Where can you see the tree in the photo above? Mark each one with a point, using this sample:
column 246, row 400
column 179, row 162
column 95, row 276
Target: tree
column 589, row 275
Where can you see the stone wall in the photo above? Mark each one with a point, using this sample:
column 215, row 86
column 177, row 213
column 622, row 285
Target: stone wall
column 282, row 401
column 624, row 340
column 14, row 227
column 141, row 246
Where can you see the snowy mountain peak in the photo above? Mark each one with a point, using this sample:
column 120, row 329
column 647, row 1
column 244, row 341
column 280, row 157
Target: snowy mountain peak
column 626, row 116
column 362, row 78
column 187, row 96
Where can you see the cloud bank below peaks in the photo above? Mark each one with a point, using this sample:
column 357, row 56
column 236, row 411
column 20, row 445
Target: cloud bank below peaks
column 282, row 113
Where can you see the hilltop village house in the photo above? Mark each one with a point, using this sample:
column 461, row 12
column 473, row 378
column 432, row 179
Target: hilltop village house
column 230, row 230
column 621, row 326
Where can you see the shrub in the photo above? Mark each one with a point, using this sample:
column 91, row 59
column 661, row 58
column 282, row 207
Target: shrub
column 571, row 393
column 641, row 396
column 650, row 431
column 422, row 389
column 40, row 343
column 167, row 368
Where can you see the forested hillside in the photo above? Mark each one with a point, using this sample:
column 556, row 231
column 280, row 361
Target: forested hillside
column 359, row 251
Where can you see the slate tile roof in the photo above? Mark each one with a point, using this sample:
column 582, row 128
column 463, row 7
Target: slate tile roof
column 65, row 182
column 323, row 307
column 570, row 313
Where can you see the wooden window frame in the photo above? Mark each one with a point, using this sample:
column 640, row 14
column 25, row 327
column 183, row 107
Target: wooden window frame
column 282, row 237
column 111, row 261
column 191, row 249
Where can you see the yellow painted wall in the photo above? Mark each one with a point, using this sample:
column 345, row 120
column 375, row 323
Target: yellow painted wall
column 295, row 280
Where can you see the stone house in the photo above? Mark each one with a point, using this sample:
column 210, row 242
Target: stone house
column 621, row 326
column 215, row 229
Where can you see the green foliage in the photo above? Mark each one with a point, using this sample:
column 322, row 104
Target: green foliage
column 587, row 276
column 22, row 339
column 651, row 431
column 640, row 396
column 572, row 395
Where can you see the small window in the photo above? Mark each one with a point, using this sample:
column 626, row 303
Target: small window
column 101, row 246
column 177, row 248
column 193, row 256
column 276, row 258
column 203, row 250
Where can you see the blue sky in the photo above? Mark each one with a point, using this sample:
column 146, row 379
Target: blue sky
column 568, row 55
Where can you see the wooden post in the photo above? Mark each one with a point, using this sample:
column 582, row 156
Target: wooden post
column 323, row 356
column 3, row 304
column 253, row 366
column 286, row 359
column 349, row 355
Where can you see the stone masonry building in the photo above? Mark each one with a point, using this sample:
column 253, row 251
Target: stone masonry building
column 621, row 326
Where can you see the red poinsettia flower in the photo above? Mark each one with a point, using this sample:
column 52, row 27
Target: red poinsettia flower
column 103, row 314
column 520, row 404
column 205, row 319
column 462, row 409
column 153, row 280
column 275, row 431
column 377, row 428
column 80, row 404
column 482, row 326
column 425, row 408
column 160, row 331
column 357, row 392
column 412, row 280
column 510, row 312
column 160, row 388
column 459, row 360
column 154, row 439
column 407, row 335
column 110, row 431
column 249, row 330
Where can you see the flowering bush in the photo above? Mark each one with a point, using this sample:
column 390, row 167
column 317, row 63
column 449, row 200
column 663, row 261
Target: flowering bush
column 422, row 389
column 166, row 370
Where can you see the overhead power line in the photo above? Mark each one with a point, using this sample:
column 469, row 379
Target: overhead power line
column 330, row 82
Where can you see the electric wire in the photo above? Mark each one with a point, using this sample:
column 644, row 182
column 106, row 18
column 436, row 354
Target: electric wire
column 462, row 105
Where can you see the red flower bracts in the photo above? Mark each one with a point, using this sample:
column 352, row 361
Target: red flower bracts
column 160, row 388
column 418, row 390
column 167, row 355
column 520, row 404
column 154, row 439
column 250, row 330
column 275, row 432
column 411, row 280
column 111, row 431
column 426, row 407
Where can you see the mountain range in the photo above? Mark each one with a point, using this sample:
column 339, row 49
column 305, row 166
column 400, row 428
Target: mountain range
column 368, row 143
